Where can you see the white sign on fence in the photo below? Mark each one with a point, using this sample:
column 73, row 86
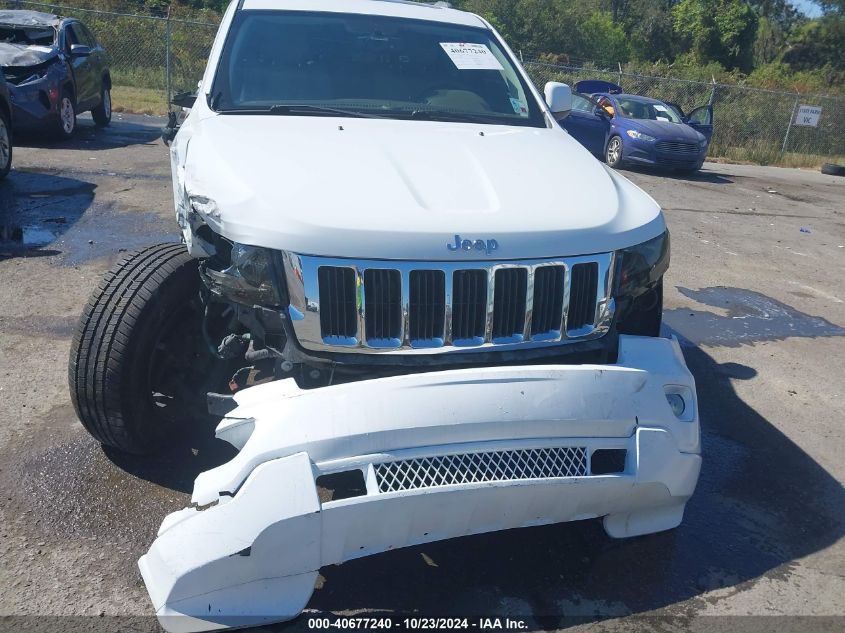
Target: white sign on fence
column 808, row 115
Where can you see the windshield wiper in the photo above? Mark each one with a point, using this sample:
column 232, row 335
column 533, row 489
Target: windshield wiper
column 445, row 115
column 301, row 108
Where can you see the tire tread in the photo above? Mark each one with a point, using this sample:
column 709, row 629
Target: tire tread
column 104, row 338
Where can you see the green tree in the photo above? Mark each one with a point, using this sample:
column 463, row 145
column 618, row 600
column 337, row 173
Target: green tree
column 601, row 39
column 818, row 43
column 717, row 30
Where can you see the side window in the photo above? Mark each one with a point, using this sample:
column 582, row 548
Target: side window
column 582, row 104
column 76, row 35
column 88, row 37
column 71, row 37
column 701, row 116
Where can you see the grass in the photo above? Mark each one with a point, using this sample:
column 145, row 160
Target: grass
column 138, row 100
column 772, row 156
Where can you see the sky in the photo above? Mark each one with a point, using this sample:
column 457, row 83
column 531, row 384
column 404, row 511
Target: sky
column 807, row 7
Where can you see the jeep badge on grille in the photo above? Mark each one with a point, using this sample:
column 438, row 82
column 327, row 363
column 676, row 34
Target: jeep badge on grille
column 488, row 246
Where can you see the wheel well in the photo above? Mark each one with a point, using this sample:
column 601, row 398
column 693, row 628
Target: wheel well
column 6, row 111
column 71, row 90
column 610, row 138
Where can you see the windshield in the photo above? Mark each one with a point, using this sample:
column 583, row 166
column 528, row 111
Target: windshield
column 337, row 64
column 28, row 36
column 652, row 110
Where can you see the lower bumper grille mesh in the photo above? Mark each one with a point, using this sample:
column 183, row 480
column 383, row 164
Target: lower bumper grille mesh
column 466, row 468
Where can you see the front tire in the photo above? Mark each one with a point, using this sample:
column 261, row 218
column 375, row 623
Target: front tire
column 613, row 152
column 138, row 367
column 5, row 145
column 102, row 113
column 66, row 124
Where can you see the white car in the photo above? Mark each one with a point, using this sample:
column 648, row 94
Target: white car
column 420, row 293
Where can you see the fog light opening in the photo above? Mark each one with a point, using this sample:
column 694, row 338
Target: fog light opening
column 676, row 403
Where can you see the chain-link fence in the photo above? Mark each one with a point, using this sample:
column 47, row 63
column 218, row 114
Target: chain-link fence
column 748, row 123
column 153, row 56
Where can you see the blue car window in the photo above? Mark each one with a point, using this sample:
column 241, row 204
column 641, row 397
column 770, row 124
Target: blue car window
column 648, row 110
column 582, row 104
column 701, row 116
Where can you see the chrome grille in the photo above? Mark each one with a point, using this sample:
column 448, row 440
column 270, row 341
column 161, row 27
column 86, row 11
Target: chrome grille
column 677, row 147
column 468, row 468
column 469, row 307
column 337, row 293
column 509, row 297
column 548, row 301
column 427, row 307
column 582, row 310
column 368, row 306
column 383, row 306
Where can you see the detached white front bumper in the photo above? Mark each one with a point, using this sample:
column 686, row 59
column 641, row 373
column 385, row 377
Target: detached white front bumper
column 441, row 455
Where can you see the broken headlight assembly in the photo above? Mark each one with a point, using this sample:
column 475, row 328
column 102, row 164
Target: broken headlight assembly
column 640, row 267
column 241, row 273
column 638, row 286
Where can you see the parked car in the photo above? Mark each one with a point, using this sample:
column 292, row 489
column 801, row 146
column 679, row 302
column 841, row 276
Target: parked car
column 624, row 128
column 377, row 245
column 56, row 69
column 5, row 129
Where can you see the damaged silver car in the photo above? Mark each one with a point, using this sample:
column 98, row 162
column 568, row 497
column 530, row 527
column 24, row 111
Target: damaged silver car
column 56, row 69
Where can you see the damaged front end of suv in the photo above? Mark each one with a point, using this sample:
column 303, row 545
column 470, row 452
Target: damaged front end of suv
column 32, row 65
column 382, row 293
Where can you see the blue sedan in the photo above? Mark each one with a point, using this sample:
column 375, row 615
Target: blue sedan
column 625, row 128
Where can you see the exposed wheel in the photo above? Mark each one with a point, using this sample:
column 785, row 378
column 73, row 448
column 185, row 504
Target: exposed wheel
column 5, row 145
column 102, row 113
column 613, row 153
column 138, row 367
column 66, row 125
column 833, row 170
column 645, row 316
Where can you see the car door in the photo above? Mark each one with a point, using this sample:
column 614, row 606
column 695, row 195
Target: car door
column 83, row 73
column 587, row 123
column 97, row 60
column 701, row 120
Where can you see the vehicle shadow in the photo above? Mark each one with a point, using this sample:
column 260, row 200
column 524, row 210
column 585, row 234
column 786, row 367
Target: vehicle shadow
column 178, row 469
column 703, row 175
column 761, row 503
column 36, row 209
column 123, row 131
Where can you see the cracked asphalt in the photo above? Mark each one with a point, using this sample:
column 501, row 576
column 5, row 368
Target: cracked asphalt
column 755, row 293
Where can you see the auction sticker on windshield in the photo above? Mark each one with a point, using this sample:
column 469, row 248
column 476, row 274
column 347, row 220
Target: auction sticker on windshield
column 471, row 56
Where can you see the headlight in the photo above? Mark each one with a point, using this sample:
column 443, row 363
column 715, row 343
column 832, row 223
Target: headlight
column 641, row 266
column 39, row 74
column 249, row 278
column 702, row 143
column 639, row 135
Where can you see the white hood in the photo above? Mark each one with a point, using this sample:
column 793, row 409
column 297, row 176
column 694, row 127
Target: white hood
column 390, row 189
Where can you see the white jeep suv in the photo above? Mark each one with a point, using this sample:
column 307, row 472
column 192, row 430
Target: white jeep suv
column 401, row 281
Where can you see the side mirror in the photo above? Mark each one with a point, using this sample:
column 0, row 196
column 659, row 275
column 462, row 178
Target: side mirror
column 80, row 50
column 559, row 99
column 184, row 99
column 168, row 133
